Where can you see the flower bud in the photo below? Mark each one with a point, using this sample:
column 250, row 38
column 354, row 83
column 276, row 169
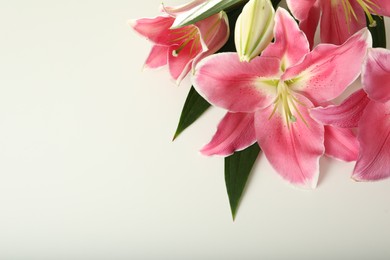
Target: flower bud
column 254, row 29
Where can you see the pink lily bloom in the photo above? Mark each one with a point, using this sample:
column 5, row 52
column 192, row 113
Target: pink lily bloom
column 182, row 48
column 369, row 110
column 340, row 19
column 270, row 97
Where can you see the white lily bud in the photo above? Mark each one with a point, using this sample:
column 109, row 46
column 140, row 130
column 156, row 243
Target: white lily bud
column 254, row 29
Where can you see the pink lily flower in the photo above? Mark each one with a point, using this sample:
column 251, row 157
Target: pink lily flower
column 270, row 97
column 182, row 48
column 340, row 19
column 369, row 110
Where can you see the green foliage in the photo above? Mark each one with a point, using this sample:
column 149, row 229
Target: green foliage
column 237, row 169
column 194, row 106
column 378, row 32
column 205, row 10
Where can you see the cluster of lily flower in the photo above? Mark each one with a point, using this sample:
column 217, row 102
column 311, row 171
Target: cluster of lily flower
column 278, row 87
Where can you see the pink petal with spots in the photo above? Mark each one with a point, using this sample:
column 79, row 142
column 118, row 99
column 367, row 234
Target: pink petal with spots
column 235, row 132
column 236, row 86
column 293, row 151
column 327, row 71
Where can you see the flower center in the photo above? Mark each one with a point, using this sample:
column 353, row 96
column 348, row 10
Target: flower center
column 368, row 7
column 285, row 103
column 185, row 35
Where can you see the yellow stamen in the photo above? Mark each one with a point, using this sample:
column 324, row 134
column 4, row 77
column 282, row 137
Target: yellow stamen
column 368, row 6
column 191, row 33
column 285, row 101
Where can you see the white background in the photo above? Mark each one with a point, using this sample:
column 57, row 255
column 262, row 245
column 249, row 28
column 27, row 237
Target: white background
column 88, row 169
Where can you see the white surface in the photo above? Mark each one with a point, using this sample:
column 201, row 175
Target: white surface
column 88, row 169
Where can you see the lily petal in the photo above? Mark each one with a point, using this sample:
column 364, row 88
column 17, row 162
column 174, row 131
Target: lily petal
column 214, row 32
column 309, row 25
column 374, row 138
column 235, row 132
column 327, row 71
column 341, row 143
column 336, row 27
column 180, row 65
column 175, row 10
column 301, row 8
column 383, row 8
column 293, row 151
column 345, row 115
column 376, row 74
column 237, row 86
column 157, row 57
column 155, row 29
column 290, row 44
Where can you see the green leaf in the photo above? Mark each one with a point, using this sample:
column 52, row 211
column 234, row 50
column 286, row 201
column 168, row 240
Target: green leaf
column 237, row 169
column 194, row 106
column 203, row 11
column 275, row 3
column 378, row 32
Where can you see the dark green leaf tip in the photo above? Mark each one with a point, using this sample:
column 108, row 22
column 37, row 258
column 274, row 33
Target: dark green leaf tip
column 194, row 106
column 237, row 170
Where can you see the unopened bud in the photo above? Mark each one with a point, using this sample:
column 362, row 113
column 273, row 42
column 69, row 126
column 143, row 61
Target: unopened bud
column 254, row 29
